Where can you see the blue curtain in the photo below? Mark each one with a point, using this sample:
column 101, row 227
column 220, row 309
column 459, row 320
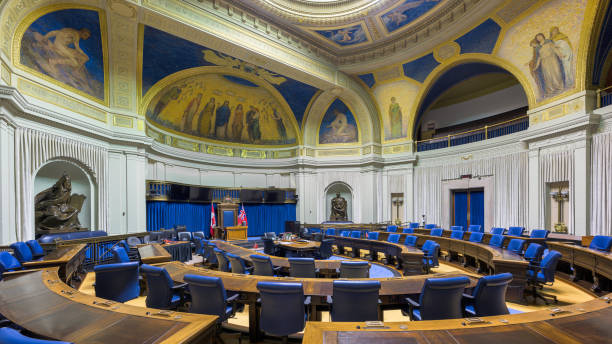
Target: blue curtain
column 461, row 206
column 477, row 208
column 261, row 217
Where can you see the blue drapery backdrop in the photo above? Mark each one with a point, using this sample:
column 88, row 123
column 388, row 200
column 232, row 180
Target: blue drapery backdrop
column 477, row 208
column 196, row 216
column 461, row 206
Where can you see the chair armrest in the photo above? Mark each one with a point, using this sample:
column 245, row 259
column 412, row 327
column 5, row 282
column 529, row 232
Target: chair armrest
column 233, row 298
column 468, row 297
column 277, row 268
column 249, row 269
column 179, row 286
column 412, row 303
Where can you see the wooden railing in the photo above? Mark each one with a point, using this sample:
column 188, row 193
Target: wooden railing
column 487, row 132
column 604, row 97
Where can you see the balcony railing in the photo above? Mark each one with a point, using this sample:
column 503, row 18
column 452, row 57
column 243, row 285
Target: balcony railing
column 487, row 132
column 604, row 97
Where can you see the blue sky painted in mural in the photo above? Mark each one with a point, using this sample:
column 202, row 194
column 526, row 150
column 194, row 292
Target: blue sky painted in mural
column 406, row 13
column 338, row 129
column 165, row 54
column 481, row 39
column 345, row 36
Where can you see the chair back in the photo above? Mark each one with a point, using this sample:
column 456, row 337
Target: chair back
column 515, row 231
column 601, row 243
column 345, row 234
column 199, row 246
column 210, row 252
column 200, row 235
column 354, row 269
column 430, row 226
column 208, row 295
column 356, row 234
column 516, row 245
column 431, row 250
column 270, row 235
column 410, row 240
column 155, row 236
column 22, row 251
column 441, row 298
column 146, row 239
column 222, row 260
column 119, row 254
column 490, row 295
column 159, row 286
column 8, row 262
column 548, row 266
column 534, row 253
column 457, row 234
column 35, row 248
column 392, row 228
column 133, row 241
column 355, row 301
column 325, row 250
column 456, row 228
column 330, row 231
column 117, row 282
column 539, row 233
column 497, row 230
column 9, row 335
column 123, row 243
column 475, row 228
column 269, row 246
column 168, row 234
column 237, row 264
column 436, row 232
column 476, row 237
column 262, row 265
column 184, row 236
column 413, row 225
column 408, row 230
column 393, row 238
column 497, row 240
column 302, row 267
column 373, row 235
column 282, row 307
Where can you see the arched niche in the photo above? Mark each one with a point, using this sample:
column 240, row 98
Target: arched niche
column 345, row 191
column 81, row 182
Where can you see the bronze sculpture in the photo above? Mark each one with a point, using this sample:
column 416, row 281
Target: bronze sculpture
column 338, row 209
column 56, row 209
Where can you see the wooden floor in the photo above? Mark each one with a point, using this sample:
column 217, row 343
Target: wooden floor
column 566, row 294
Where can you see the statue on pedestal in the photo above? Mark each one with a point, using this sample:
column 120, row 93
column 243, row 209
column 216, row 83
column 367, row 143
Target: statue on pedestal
column 338, row 209
column 56, row 209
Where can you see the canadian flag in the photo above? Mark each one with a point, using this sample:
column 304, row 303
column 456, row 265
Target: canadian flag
column 242, row 219
column 213, row 221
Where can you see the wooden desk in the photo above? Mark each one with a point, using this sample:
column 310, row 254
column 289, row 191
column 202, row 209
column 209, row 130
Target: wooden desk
column 588, row 322
column 153, row 253
column 301, row 248
column 599, row 263
column 485, row 239
column 41, row 303
column 69, row 259
column 236, row 233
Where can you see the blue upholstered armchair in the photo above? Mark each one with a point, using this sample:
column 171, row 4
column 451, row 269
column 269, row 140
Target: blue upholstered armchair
column 515, row 231
column 410, row 240
column 539, row 233
column 330, row 231
column 392, row 228
column 430, row 226
column 475, row 228
column 117, row 282
column 497, row 240
column 22, row 252
column 439, row 299
column 270, row 247
column 476, row 237
column 516, row 246
column 161, row 291
column 119, row 254
column 355, row 301
column 489, row 296
column 408, row 230
column 497, row 231
column 263, row 266
column 184, row 236
column 456, row 228
column 436, row 232
column 208, row 296
column 393, row 238
column 354, row 269
column 373, row 235
column 537, row 276
column 457, row 234
column 302, row 268
column 282, row 308
column 11, row 336
column 601, row 243
column 224, row 264
column 345, row 234
column 35, row 248
column 534, row 253
column 356, row 234
column 413, row 225
column 238, row 265
column 431, row 250
column 8, row 263
column 325, row 250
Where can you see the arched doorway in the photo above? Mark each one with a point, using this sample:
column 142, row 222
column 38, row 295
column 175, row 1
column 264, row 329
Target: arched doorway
column 345, row 191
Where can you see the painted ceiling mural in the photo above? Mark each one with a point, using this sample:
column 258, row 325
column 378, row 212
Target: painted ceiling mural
column 338, row 125
column 407, row 12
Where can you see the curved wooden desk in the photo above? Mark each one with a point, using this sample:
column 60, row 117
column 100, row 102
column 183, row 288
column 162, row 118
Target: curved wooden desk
column 588, row 322
column 599, row 263
column 40, row 302
column 69, row 259
column 485, row 239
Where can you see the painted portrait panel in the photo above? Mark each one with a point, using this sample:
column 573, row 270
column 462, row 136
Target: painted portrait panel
column 67, row 46
column 338, row 125
column 222, row 107
column 544, row 46
column 345, row 36
column 395, row 102
column 406, row 13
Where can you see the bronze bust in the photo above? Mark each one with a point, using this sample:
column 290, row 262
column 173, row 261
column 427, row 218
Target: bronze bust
column 338, row 209
column 56, row 209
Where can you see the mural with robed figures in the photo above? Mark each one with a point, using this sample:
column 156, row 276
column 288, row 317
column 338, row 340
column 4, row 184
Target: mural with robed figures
column 338, row 125
column 345, row 36
column 67, row 47
column 406, row 13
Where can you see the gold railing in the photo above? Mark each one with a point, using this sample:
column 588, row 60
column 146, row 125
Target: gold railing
column 486, row 129
column 599, row 91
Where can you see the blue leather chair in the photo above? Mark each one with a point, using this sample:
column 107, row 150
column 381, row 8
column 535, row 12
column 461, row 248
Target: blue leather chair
column 131, row 251
column 184, row 236
column 302, row 268
column 51, row 238
column 8, row 263
column 436, row 232
column 408, row 230
column 431, row 250
column 330, row 231
column 497, row 231
column 456, row 228
column 392, row 228
column 199, row 246
column 133, row 242
column 356, row 234
column 282, row 308
column 35, row 248
column 270, row 247
column 534, row 253
column 200, row 235
column 117, row 282
column 410, row 240
column 262, row 266
column 516, row 246
column 119, row 255
column 537, row 276
column 22, row 252
column 238, row 265
column 476, row 237
column 539, row 233
column 497, row 240
column 355, row 301
column 222, row 260
column 457, row 234
column 601, row 243
column 345, row 234
column 475, row 228
column 354, row 269
column 208, row 296
column 515, row 231
column 161, row 291
column 209, row 251
column 489, row 296
column 439, row 299
column 413, row 225
column 430, row 226
column 11, row 336
column 393, row 238
column 373, row 235
column 325, row 250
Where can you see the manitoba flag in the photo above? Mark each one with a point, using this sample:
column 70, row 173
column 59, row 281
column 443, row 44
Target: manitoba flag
column 213, row 221
column 242, row 220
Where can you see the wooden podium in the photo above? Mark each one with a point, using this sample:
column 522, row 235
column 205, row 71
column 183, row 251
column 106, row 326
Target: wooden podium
column 236, row 233
column 228, row 219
